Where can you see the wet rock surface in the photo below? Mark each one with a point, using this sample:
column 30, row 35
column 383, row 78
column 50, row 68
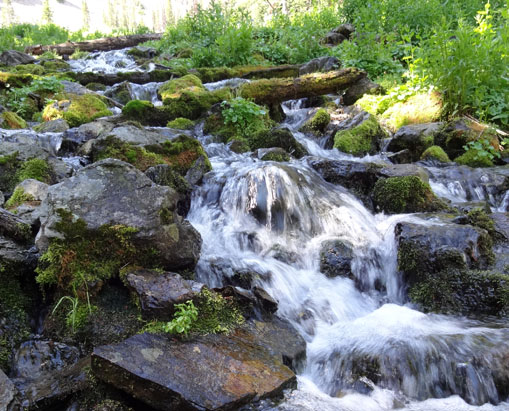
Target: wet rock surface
column 9, row 396
column 336, row 259
column 210, row 372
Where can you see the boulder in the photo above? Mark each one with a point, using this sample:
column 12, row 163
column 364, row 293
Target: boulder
column 320, row 64
column 278, row 137
column 111, row 192
column 53, row 126
column 357, row 90
column 2, row 199
column 416, row 138
column 122, row 93
column 211, row 372
column 76, row 137
column 426, row 249
column 14, row 57
column 9, row 395
column 159, row 292
column 336, row 259
column 402, row 170
column 134, row 134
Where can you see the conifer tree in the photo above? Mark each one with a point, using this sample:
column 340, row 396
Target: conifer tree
column 86, row 15
column 8, row 16
column 47, row 13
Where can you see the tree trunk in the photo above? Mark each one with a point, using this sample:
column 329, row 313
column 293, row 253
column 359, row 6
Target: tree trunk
column 14, row 227
column 102, row 44
column 138, row 77
column 273, row 91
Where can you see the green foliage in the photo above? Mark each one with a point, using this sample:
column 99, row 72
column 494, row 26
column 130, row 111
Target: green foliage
column 185, row 315
column 479, row 152
column 82, row 109
column 217, row 314
column 436, row 153
column 77, row 316
column 35, row 168
column 244, row 116
column 181, row 123
column 18, row 197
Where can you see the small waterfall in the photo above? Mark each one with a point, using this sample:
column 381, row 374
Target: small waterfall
column 107, row 62
column 231, row 82
column 146, row 91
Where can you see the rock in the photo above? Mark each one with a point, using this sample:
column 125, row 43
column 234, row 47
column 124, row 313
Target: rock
column 136, row 135
column 435, row 154
column 345, row 29
column 211, row 372
column 198, row 169
column 336, row 259
column 416, row 138
column 76, row 137
column 53, row 126
column 320, row 64
column 2, row 199
column 359, row 135
column 142, row 52
column 31, row 194
column 122, row 92
column 318, row 123
column 14, row 58
column 501, row 221
column 37, row 189
column 113, row 192
column 159, row 292
column 272, row 154
column 427, row 249
column 401, row 157
column 333, row 39
column 402, row 170
column 9, row 395
column 267, row 304
column 357, row 90
column 278, row 137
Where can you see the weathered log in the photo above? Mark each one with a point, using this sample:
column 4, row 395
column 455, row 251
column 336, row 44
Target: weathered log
column 102, row 44
column 114, row 78
column 277, row 90
column 14, row 227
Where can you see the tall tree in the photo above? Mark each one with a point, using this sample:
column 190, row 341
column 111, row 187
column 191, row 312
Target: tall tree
column 169, row 17
column 86, row 15
column 47, row 13
column 8, row 16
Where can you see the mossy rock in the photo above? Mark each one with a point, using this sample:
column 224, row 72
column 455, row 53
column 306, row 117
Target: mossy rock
column 36, row 168
column 408, row 194
column 463, row 292
column 146, row 113
column 30, row 69
column 76, row 110
column 9, row 165
column 96, row 86
column 435, row 153
column 278, row 155
column 53, row 66
column 362, row 139
column 14, row 80
column 318, row 123
column 473, row 158
column 192, row 103
column 418, row 109
column 111, row 147
column 11, row 121
column 18, row 197
column 173, row 88
column 181, row 123
column 277, row 137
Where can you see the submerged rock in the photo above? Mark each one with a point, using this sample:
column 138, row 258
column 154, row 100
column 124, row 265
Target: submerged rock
column 211, row 372
column 336, row 259
column 416, row 138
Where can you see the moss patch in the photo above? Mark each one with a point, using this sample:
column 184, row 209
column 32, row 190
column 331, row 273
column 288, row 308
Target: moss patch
column 181, row 123
column 276, row 156
column 360, row 140
column 408, row 194
column 192, row 103
column 18, row 197
column 30, row 69
column 11, row 121
column 76, row 110
column 318, row 123
column 277, row 137
column 172, row 88
column 435, row 153
column 418, row 109
column 472, row 159
column 35, row 168
column 8, row 166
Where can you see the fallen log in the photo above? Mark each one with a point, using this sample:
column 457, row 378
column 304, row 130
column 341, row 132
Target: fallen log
column 14, row 227
column 138, row 77
column 102, row 44
column 275, row 91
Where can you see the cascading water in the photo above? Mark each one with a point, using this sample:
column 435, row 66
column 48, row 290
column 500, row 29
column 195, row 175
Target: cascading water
column 107, row 62
column 271, row 219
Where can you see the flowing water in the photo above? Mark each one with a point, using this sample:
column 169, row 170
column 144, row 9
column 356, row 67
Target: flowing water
column 271, row 219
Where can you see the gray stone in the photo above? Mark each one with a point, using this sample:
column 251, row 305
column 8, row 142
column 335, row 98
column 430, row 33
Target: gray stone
column 113, row 192
column 53, row 126
column 9, row 395
column 320, row 64
column 336, row 259
column 211, row 372
column 416, row 138
column 14, row 57
column 131, row 134
column 159, row 292
column 356, row 91
column 345, row 29
column 122, row 92
column 2, row 199
column 403, row 170
column 37, row 189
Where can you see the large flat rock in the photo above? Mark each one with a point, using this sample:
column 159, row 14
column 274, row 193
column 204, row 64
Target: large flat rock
column 213, row 372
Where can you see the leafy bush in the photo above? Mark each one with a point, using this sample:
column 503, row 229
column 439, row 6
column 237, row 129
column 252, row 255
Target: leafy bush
column 243, row 115
column 185, row 315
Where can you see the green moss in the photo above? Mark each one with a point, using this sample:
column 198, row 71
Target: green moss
column 276, row 156
column 30, row 69
column 35, row 168
column 472, row 159
column 173, row 88
column 18, row 197
column 52, row 66
column 360, row 140
column 192, row 104
column 146, row 113
column 181, row 124
column 12, row 121
column 181, row 153
column 418, row 109
column 463, row 292
column 14, row 80
column 81, row 261
column 435, row 153
column 478, row 217
column 408, row 194
column 8, row 166
column 318, row 123
column 112, row 147
column 375, row 104
column 277, row 137
column 96, row 86
column 76, row 110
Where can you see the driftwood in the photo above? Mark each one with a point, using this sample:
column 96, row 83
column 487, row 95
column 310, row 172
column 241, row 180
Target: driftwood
column 274, row 91
column 102, row 44
column 14, row 227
